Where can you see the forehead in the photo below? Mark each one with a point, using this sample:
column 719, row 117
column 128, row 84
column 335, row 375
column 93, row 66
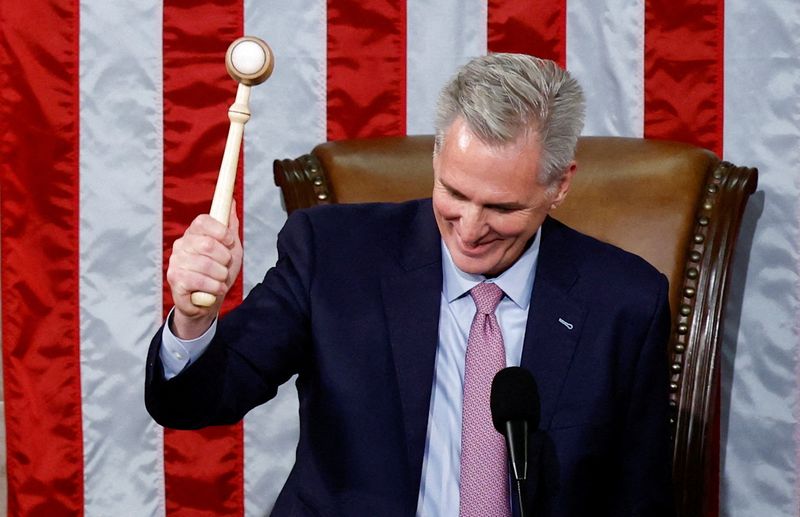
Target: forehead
column 464, row 159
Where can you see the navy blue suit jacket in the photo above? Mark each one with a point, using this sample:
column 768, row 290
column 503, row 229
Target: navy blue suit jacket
column 352, row 307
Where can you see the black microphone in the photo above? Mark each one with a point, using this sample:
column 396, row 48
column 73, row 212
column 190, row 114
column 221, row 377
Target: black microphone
column 515, row 412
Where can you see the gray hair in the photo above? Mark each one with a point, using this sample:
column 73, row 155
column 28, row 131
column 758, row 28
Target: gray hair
column 504, row 96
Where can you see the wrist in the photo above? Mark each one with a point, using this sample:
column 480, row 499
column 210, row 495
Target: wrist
column 189, row 327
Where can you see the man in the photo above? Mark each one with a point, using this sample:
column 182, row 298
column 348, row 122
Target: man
column 378, row 309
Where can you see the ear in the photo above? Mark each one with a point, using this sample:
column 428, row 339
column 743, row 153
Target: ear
column 563, row 185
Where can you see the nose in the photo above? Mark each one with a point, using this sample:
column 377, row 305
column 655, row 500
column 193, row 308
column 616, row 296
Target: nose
column 471, row 226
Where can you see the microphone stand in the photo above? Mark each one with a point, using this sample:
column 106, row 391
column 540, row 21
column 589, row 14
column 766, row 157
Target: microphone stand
column 517, row 440
column 519, row 497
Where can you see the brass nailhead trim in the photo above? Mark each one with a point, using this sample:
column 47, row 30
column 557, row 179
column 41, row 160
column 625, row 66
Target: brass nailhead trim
column 312, row 173
column 690, row 289
column 673, row 387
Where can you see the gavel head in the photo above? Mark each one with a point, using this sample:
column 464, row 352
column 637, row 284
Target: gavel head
column 249, row 60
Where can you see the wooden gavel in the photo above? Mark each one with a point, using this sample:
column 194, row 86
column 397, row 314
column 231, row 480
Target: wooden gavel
column 249, row 61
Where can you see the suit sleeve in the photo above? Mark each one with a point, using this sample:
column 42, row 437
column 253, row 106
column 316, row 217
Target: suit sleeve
column 258, row 346
column 646, row 448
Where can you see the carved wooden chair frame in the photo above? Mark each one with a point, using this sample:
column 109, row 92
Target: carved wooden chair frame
column 697, row 320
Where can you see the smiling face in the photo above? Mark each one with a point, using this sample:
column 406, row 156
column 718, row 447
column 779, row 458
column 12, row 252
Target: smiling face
column 487, row 200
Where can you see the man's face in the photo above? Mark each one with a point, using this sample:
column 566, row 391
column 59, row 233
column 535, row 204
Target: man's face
column 487, row 201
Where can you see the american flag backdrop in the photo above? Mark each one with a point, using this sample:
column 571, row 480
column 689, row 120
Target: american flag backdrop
column 114, row 116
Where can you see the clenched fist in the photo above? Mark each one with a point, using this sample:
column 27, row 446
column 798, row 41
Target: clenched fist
column 207, row 258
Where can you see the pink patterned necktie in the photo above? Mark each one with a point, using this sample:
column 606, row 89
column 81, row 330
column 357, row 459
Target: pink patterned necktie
column 484, row 472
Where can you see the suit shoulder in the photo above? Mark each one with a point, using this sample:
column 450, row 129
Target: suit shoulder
column 608, row 272
column 369, row 230
column 360, row 215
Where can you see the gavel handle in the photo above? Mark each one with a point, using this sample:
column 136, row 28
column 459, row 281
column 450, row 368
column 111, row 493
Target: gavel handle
column 239, row 114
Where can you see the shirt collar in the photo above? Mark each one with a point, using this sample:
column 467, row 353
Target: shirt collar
column 516, row 282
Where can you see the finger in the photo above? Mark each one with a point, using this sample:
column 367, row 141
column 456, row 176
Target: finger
column 184, row 282
column 204, row 245
column 204, row 224
column 200, row 264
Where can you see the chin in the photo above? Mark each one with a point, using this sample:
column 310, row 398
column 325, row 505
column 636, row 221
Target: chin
column 473, row 266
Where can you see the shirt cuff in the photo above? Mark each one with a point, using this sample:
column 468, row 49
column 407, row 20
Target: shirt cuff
column 176, row 353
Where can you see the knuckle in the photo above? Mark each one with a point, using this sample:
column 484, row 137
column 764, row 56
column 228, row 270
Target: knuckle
column 206, row 244
column 227, row 258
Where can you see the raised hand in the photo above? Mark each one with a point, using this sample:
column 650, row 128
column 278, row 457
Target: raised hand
column 207, row 258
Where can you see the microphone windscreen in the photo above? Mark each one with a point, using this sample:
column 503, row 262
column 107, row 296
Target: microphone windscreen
column 514, row 397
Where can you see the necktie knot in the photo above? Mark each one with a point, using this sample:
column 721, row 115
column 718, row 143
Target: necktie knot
column 486, row 296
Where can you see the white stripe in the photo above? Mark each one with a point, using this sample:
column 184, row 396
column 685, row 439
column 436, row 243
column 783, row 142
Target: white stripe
column 120, row 252
column 605, row 52
column 760, row 373
column 288, row 119
column 441, row 37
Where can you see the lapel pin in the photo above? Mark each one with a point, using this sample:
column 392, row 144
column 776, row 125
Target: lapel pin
column 567, row 324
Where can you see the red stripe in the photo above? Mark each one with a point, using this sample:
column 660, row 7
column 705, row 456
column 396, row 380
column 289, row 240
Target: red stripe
column 683, row 70
column 683, row 90
column 535, row 27
column 203, row 469
column 40, row 250
column 366, row 68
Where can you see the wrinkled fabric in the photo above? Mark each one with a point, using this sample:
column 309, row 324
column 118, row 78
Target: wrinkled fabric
column 441, row 37
column 40, row 311
column 120, row 240
column 605, row 52
column 535, row 28
column 366, row 70
column 683, row 73
column 96, row 103
column 761, row 371
column 202, row 469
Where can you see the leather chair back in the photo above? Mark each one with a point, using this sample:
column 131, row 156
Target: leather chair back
column 676, row 205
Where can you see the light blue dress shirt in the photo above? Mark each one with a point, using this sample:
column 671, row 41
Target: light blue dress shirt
column 441, row 467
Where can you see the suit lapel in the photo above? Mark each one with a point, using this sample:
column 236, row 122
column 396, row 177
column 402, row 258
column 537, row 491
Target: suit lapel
column 412, row 300
column 555, row 320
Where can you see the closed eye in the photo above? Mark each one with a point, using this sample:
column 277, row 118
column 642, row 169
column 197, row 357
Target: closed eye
column 504, row 209
column 455, row 194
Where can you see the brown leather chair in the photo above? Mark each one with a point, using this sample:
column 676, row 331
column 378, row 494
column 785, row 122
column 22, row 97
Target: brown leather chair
column 676, row 205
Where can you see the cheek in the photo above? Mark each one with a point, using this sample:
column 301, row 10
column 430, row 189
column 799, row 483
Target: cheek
column 513, row 227
column 445, row 207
